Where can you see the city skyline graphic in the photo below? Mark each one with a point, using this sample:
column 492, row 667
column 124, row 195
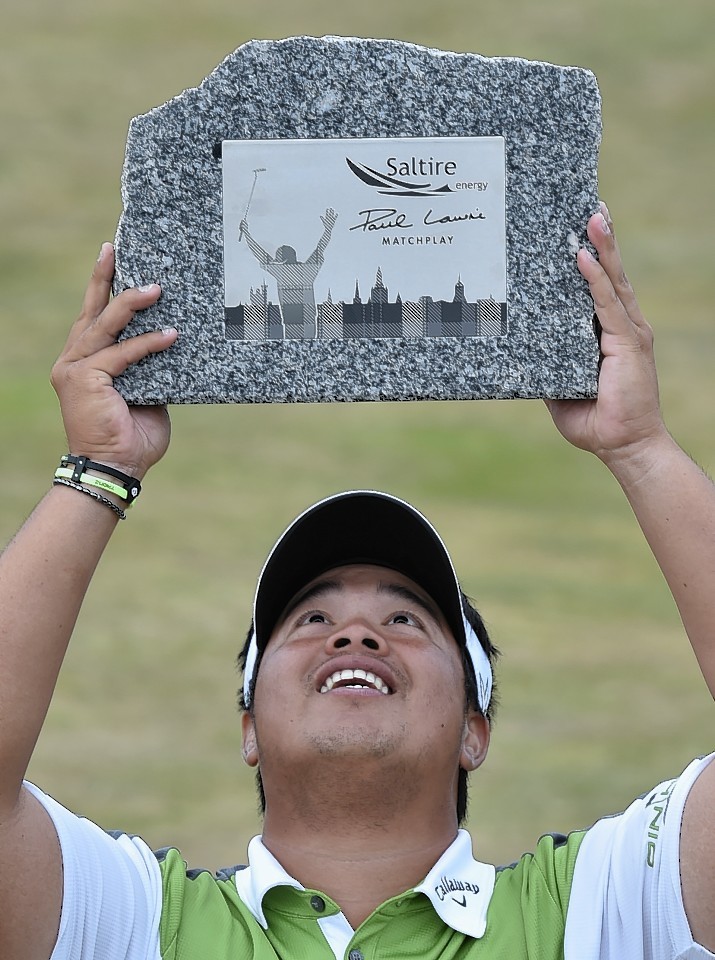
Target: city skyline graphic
column 378, row 317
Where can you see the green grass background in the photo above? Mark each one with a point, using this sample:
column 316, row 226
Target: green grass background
column 601, row 696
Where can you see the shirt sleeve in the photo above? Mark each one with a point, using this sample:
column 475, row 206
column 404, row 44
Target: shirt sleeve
column 112, row 891
column 626, row 897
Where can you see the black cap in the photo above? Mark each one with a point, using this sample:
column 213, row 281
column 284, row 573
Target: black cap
column 358, row 526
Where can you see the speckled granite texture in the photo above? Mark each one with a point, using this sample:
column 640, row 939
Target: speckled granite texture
column 171, row 226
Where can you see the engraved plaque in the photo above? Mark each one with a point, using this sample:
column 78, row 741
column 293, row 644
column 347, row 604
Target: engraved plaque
column 374, row 238
column 347, row 219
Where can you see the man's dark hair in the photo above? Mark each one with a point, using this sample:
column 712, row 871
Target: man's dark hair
column 286, row 254
column 471, row 699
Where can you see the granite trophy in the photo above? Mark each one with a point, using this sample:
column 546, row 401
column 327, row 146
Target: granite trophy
column 344, row 219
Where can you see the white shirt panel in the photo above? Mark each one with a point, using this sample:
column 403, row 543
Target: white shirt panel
column 626, row 899
column 112, row 894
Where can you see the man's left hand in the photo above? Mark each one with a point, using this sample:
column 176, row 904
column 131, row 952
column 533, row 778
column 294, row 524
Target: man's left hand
column 626, row 413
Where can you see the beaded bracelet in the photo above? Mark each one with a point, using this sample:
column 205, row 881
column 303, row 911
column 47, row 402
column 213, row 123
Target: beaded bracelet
column 61, row 481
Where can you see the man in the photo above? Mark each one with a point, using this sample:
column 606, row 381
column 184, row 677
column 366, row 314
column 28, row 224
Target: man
column 367, row 694
column 295, row 279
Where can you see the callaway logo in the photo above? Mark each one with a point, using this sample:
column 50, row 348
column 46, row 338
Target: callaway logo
column 447, row 885
column 392, row 186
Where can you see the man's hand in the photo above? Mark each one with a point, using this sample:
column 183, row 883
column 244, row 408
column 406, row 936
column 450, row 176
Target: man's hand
column 329, row 218
column 98, row 422
column 626, row 413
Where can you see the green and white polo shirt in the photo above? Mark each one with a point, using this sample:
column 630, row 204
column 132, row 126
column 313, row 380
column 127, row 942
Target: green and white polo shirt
column 608, row 893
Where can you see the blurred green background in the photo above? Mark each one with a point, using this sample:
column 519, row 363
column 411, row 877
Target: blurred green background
column 601, row 697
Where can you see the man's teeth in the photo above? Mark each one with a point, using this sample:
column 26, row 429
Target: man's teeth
column 364, row 678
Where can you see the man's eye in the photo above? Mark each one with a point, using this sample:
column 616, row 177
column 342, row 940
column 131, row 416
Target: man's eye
column 313, row 616
column 406, row 618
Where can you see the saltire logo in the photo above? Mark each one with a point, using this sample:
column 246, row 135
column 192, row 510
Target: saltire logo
column 391, row 186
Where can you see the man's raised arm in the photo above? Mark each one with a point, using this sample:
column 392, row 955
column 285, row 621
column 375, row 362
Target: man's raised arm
column 44, row 575
column 674, row 503
column 329, row 219
column 263, row 257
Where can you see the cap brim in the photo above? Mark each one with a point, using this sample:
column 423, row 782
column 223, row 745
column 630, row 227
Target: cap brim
column 359, row 526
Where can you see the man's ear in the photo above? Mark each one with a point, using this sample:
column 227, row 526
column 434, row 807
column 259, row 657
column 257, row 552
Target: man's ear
column 250, row 744
column 475, row 741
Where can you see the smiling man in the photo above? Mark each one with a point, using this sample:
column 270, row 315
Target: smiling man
column 388, row 688
column 368, row 697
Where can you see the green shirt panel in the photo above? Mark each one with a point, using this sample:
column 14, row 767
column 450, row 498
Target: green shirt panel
column 527, row 913
column 204, row 919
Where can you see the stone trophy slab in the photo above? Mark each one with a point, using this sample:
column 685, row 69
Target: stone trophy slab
column 342, row 219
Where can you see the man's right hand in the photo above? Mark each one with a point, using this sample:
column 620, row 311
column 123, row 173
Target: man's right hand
column 98, row 422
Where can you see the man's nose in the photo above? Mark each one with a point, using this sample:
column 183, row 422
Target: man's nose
column 359, row 637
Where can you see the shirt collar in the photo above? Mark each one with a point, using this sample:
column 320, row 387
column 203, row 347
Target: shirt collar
column 458, row 886
column 262, row 874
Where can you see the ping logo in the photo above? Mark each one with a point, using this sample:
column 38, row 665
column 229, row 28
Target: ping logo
column 658, row 804
column 393, row 183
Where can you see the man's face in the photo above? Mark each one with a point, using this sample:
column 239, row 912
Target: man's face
column 362, row 666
